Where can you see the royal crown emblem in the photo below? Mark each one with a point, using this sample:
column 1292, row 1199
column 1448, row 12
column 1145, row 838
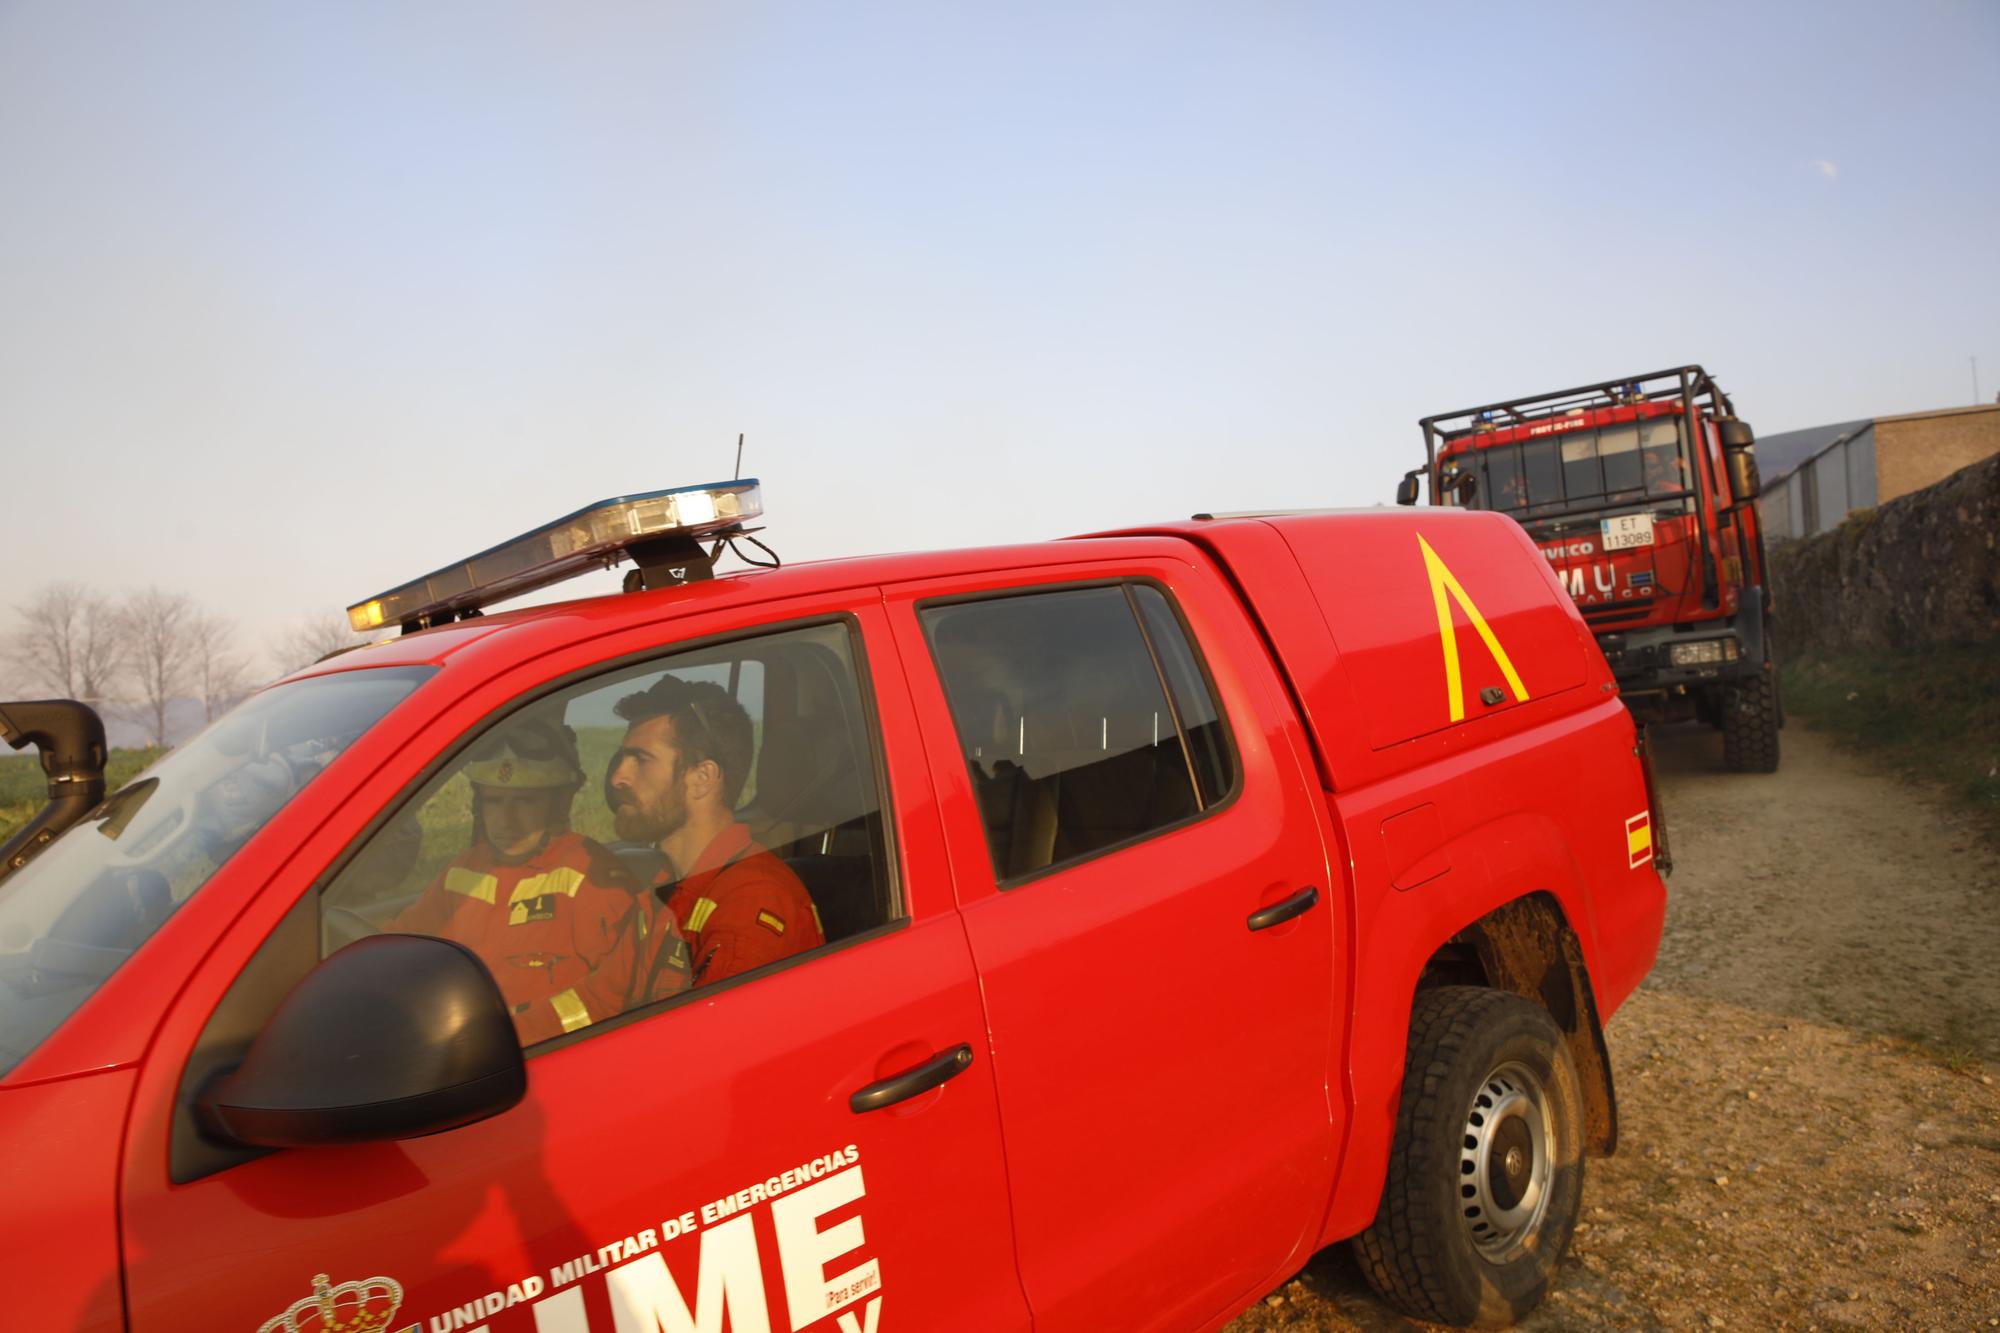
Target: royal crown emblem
column 366, row 1306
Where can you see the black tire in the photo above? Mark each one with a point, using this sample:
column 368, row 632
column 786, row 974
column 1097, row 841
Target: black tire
column 1473, row 1049
column 1750, row 727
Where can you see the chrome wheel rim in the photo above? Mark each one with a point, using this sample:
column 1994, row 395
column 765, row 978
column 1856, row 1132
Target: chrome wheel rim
column 1504, row 1168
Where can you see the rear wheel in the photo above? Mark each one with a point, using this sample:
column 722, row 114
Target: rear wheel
column 1487, row 1173
column 1750, row 725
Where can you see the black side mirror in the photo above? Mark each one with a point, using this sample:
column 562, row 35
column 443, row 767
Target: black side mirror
column 393, row 1037
column 1735, row 434
column 1406, row 489
column 1744, row 483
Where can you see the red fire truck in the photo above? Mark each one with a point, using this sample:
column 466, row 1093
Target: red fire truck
column 1641, row 493
column 1086, row 903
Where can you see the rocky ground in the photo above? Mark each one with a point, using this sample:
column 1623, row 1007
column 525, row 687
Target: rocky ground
column 1809, row 1119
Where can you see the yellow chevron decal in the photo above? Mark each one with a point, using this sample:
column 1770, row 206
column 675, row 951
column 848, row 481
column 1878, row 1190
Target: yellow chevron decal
column 1446, row 589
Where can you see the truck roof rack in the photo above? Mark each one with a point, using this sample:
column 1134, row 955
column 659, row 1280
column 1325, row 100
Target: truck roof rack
column 1690, row 384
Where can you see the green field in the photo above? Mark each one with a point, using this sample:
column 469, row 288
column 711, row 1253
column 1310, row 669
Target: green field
column 23, row 789
column 1933, row 716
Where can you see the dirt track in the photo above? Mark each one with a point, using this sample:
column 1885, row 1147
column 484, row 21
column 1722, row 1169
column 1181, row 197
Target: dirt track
column 1810, row 1125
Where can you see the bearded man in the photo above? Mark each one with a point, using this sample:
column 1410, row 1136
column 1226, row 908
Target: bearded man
column 674, row 783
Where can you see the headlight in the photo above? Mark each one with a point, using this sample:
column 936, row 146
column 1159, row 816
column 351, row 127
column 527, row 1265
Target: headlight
column 1702, row 653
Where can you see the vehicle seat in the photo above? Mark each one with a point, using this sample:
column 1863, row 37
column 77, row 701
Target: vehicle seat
column 812, row 807
column 800, row 770
column 842, row 886
column 1096, row 771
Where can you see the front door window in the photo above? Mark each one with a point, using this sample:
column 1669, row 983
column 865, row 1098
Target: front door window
column 621, row 842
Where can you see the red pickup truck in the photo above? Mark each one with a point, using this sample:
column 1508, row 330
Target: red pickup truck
column 1061, row 936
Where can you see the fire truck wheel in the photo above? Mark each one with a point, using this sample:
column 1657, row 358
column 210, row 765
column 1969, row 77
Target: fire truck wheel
column 1486, row 1176
column 1750, row 727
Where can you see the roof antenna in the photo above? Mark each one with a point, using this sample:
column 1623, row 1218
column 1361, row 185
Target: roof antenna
column 739, row 457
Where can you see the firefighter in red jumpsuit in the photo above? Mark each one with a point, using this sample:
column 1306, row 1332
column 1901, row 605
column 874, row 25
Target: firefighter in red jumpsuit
column 542, row 906
column 726, row 904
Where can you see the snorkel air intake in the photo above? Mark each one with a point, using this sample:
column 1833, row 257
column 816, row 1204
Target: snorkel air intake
column 70, row 736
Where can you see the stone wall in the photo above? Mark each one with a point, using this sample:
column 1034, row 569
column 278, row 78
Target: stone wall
column 1922, row 569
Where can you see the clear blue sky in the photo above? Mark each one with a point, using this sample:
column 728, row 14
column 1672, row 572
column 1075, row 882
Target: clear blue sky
column 297, row 301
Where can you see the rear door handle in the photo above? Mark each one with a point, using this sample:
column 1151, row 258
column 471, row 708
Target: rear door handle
column 1278, row 913
column 901, row 1087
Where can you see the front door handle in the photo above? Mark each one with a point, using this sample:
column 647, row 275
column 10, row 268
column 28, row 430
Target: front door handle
column 901, row 1087
column 1278, row 913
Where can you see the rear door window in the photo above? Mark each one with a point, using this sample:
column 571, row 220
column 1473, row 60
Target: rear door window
column 1084, row 718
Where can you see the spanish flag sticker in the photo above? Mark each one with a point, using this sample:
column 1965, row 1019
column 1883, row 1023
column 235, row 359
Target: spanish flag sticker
column 1639, row 838
column 772, row 922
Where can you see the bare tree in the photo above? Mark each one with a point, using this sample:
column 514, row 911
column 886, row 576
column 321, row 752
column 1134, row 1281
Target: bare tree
column 163, row 628
column 309, row 638
column 219, row 671
column 73, row 642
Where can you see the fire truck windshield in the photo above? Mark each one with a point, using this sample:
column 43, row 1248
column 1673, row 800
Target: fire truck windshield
column 73, row 914
column 1630, row 463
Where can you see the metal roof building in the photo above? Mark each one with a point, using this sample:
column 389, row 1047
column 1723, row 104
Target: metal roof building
column 1816, row 477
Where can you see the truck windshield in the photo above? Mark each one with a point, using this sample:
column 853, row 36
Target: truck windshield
column 1631, row 463
column 73, row 914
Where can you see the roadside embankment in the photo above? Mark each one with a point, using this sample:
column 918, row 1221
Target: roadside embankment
column 1933, row 716
column 1888, row 633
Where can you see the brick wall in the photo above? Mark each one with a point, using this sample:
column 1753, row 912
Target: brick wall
column 1913, row 452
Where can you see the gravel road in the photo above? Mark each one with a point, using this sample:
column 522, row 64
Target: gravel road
column 1810, row 1127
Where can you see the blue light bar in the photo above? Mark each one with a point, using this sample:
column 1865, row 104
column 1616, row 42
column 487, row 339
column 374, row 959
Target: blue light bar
column 594, row 537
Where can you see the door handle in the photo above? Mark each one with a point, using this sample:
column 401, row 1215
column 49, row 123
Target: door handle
column 1278, row 913
column 903, row 1086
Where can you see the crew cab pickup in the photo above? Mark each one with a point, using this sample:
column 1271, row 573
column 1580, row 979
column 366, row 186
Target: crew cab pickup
column 1176, row 902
